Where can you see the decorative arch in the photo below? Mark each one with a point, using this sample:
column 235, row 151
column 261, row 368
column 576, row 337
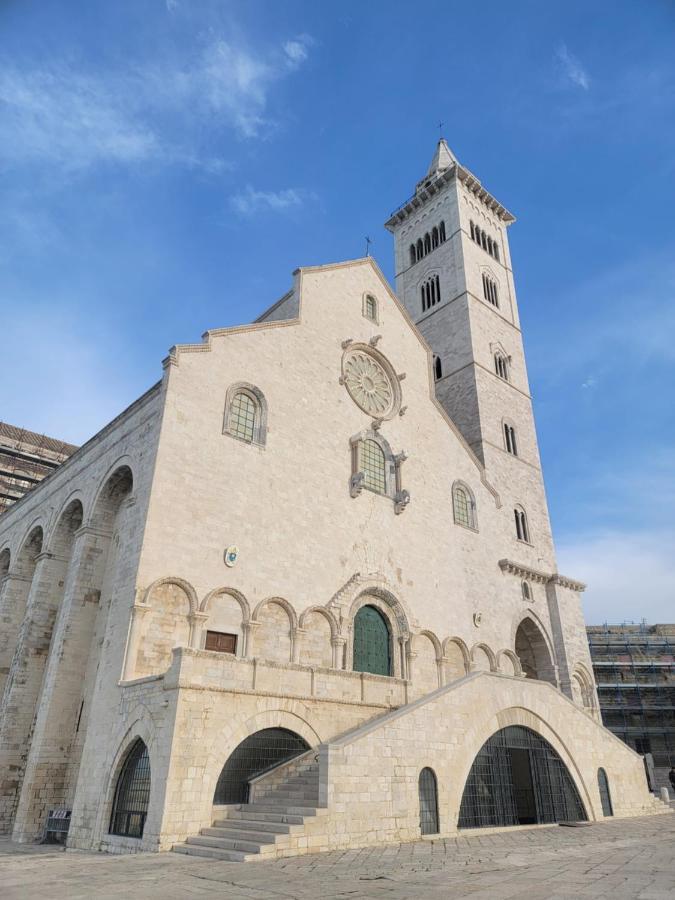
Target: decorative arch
column 318, row 632
column 258, row 433
column 513, row 660
column 457, row 658
column 69, row 520
column 279, row 601
column 115, row 486
column 582, row 687
column 5, row 562
column 269, row 640
column 179, row 582
column 231, row 592
column 492, row 660
column 426, row 665
column 529, row 613
column 322, row 611
column 32, row 544
column 76, row 495
column 392, row 610
column 390, row 604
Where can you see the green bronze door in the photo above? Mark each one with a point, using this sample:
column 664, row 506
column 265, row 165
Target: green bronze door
column 371, row 642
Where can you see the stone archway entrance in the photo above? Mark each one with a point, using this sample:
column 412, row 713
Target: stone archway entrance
column 256, row 753
column 533, row 653
column 517, row 778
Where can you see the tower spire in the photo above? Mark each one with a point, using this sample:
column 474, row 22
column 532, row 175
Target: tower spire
column 443, row 158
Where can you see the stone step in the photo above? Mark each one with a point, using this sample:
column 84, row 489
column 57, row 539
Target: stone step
column 255, row 825
column 240, row 843
column 212, row 852
column 286, row 818
column 291, row 795
column 233, row 834
column 265, row 806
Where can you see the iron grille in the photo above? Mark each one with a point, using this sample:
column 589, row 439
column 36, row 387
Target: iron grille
column 605, row 798
column 256, row 753
column 504, row 789
column 58, row 823
column 132, row 793
column 428, row 802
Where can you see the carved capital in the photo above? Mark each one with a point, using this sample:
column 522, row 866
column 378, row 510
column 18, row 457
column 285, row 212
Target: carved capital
column 356, row 484
column 401, row 500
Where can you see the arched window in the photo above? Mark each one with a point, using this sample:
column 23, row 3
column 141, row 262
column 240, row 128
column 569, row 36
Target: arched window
column 441, row 231
column 522, row 529
column 483, row 240
column 463, row 506
column 413, row 255
column 473, row 231
column 490, row 290
column 373, row 466
column 427, row 243
column 502, row 366
column 605, row 796
column 420, row 249
column 372, row 642
column 438, row 368
column 428, row 794
column 132, row 793
column 430, row 292
column 510, row 439
column 496, row 252
column 245, row 414
column 434, row 237
column 370, row 307
column 527, row 591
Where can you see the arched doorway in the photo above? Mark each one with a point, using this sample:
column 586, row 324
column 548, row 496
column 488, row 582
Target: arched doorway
column 132, row 793
column 428, row 794
column 255, row 754
column 517, row 778
column 532, row 651
column 372, row 642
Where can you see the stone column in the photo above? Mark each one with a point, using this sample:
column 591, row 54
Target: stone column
column 296, row 641
column 197, row 620
column 23, row 686
column 138, row 611
column 338, row 644
column 14, row 590
column 60, row 708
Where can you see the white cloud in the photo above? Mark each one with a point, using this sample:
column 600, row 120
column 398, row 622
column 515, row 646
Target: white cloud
column 572, row 68
column 630, row 575
column 249, row 201
column 61, row 114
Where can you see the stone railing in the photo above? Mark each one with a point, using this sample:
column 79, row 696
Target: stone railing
column 207, row 670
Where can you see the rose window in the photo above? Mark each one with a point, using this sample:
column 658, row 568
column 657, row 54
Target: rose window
column 369, row 384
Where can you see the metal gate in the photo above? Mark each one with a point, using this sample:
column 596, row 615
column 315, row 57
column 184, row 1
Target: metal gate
column 255, row 754
column 371, row 642
column 132, row 793
column 497, row 793
column 428, row 802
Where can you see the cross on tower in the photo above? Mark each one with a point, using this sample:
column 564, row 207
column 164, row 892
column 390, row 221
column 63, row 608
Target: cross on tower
column 440, row 129
column 368, row 243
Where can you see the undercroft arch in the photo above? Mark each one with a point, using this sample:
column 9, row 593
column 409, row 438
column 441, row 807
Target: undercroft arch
column 518, row 778
column 255, row 754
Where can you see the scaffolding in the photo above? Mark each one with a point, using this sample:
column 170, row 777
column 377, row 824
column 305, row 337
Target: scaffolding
column 634, row 667
column 25, row 459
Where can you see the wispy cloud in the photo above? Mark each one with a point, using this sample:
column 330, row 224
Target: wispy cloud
column 64, row 115
column 250, row 201
column 572, row 68
column 630, row 576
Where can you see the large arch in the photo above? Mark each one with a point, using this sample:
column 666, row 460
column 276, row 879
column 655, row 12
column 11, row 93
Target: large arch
column 258, row 752
column 532, row 649
column 518, row 778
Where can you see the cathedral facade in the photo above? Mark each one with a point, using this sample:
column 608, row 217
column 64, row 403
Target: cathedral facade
column 303, row 594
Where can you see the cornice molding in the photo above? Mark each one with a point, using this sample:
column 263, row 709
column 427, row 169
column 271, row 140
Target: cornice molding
column 522, row 571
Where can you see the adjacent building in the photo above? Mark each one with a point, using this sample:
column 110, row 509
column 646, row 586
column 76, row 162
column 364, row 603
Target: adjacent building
column 354, row 630
column 634, row 668
column 25, row 459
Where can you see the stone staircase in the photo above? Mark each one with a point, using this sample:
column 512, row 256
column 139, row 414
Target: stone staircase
column 271, row 825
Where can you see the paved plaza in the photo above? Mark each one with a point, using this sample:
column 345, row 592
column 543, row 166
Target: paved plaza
column 619, row 859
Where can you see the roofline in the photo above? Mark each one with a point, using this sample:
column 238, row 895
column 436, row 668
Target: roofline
column 437, row 184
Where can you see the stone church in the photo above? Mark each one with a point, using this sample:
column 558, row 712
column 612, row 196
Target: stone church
column 302, row 594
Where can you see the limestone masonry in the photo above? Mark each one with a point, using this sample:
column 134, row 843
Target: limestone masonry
column 353, row 631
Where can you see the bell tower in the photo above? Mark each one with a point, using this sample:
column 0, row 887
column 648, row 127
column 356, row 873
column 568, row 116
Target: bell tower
column 454, row 276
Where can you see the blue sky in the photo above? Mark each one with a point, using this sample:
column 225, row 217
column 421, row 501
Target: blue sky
column 166, row 164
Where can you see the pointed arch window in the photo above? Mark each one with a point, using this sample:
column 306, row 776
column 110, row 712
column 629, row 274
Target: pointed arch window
column 245, row 414
column 463, row 506
column 441, row 232
column 490, row 290
column 370, row 307
column 510, row 442
column 132, row 793
column 430, row 292
column 502, row 366
column 522, row 527
column 605, row 796
column 413, row 255
column 427, row 243
column 420, row 249
column 438, row 368
column 434, row 237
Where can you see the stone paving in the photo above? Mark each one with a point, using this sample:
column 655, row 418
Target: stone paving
column 620, row 859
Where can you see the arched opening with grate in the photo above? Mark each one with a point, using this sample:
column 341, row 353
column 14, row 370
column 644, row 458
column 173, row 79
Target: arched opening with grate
column 372, row 642
column 256, row 753
column 132, row 793
column 517, row 778
column 428, row 792
column 605, row 796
